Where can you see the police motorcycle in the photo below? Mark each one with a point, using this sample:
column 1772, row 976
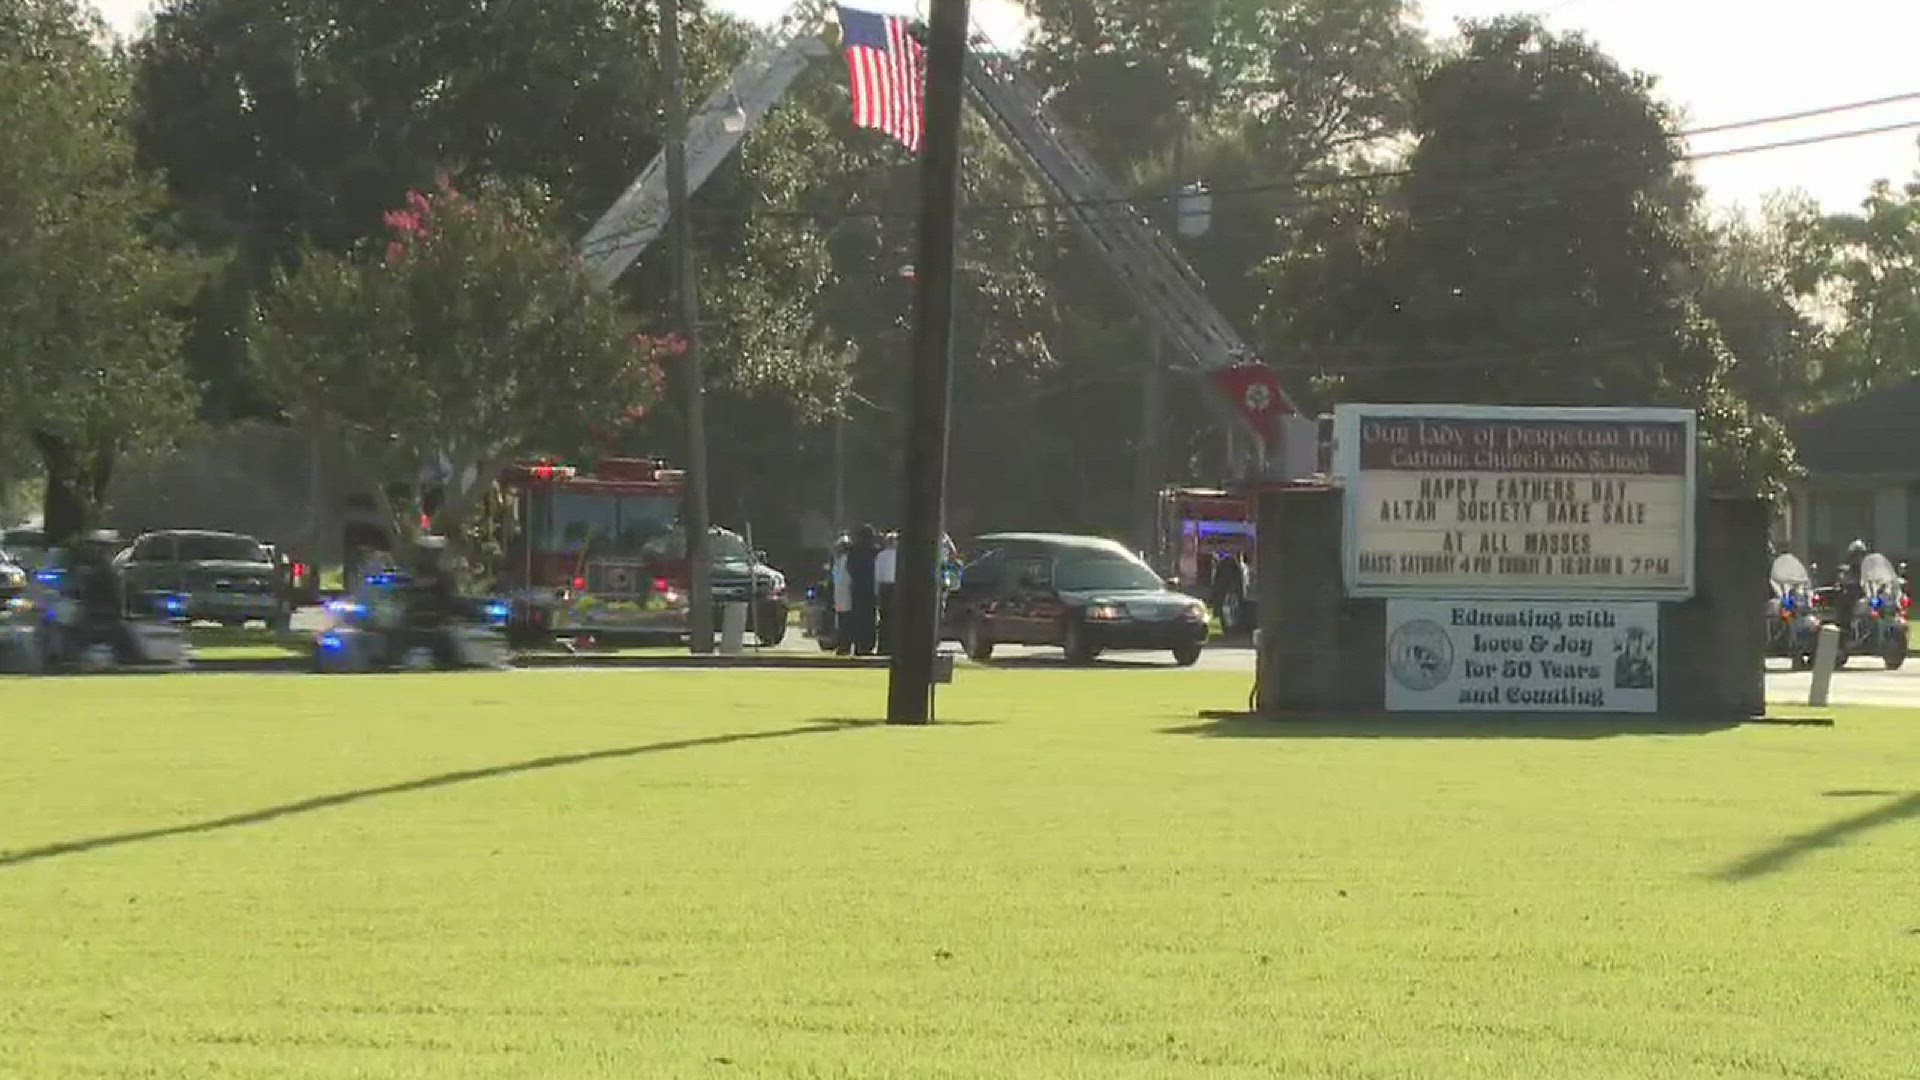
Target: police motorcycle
column 1870, row 606
column 71, row 616
column 399, row 619
column 1793, row 624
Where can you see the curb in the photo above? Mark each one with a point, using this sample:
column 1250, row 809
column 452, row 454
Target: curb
column 301, row 665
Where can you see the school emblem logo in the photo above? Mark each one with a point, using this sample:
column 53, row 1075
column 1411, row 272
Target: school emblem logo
column 1420, row 655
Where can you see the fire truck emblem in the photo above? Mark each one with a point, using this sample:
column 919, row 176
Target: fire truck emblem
column 1259, row 398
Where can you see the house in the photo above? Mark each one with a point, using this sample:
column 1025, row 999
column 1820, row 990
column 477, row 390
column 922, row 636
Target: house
column 1862, row 480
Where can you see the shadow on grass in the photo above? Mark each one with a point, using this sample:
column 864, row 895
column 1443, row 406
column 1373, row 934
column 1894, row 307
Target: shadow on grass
column 1128, row 661
column 1774, row 859
column 9, row 859
column 1444, row 726
column 937, row 722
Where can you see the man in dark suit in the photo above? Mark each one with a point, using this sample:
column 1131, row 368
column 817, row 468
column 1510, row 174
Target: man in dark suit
column 861, row 557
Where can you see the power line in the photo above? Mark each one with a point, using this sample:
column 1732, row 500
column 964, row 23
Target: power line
column 1810, row 140
column 1804, row 114
column 1566, row 176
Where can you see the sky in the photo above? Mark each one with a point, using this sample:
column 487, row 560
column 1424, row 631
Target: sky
column 1718, row 61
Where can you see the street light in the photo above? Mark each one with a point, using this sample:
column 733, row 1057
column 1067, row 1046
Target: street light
column 1194, row 207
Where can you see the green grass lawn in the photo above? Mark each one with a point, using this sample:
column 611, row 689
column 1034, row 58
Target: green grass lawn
column 727, row 874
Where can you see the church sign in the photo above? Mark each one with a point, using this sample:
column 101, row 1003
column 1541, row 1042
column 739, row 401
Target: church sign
column 1486, row 502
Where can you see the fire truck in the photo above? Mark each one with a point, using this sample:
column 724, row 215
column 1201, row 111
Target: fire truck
column 594, row 554
column 1205, row 541
column 601, row 553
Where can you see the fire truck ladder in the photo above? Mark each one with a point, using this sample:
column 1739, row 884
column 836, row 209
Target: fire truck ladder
column 638, row 218
column 1153, row 272
column 1150, row 268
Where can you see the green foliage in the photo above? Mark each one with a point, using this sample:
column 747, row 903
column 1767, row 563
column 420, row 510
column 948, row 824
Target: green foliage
column 293, row 124
column 1758, row 282
column 1870, row 269
column 467, row 335
column 87, row 301
column 1533, row 254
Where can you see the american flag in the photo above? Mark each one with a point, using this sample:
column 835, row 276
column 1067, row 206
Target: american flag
column 888, row 66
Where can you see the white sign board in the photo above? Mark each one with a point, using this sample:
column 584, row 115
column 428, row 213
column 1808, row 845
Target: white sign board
column 1470, row 501
column 1518, row 656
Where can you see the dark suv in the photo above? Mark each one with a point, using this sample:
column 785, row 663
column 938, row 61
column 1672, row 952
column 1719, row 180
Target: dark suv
column 1085, row 594
column 224, row 577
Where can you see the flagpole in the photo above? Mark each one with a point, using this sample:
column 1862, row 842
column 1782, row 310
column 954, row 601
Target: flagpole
column 917, row 584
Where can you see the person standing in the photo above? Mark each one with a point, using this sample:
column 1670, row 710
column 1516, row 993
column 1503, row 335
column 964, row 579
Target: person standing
column 861, row 557
column 884, row 564
column 842, row 600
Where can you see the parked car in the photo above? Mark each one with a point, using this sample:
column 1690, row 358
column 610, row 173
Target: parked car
column 742, row 574
column 13, row 578
column 27, row 544
column 224, row 577
column 1085, row 594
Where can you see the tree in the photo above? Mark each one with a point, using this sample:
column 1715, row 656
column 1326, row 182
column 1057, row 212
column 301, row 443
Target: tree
column 1250, row 97
column 1533, row 254
column 87, row 303
column 465, row 336
column 1758, row 281
column 1870, row 271
column 288, row 124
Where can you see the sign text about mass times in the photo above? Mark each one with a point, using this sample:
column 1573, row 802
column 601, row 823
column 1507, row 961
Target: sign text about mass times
column 1441, row 501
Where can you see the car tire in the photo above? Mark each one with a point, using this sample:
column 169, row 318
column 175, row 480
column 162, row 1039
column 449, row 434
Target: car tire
column 979, row 645
column 1897, row 655
column 771, row 633
column 1187, row 655
column 1079, row 652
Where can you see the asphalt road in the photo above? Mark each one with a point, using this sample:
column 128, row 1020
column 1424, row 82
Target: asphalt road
column 1863, row 682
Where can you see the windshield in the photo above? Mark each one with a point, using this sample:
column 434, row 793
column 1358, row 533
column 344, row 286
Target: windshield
column 1788, row 570
column 727, row 547
column 218, row 549
column 1876, row 568
column 1091, row 573
column 574, row 522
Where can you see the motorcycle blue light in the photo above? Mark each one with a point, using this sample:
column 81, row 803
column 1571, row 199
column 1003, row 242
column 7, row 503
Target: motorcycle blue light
column 174, row 605
column 498, row 612
column 331, row 643
column 1787, row 602
column 48, row 577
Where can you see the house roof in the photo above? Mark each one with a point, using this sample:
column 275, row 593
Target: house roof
column 1873, row 436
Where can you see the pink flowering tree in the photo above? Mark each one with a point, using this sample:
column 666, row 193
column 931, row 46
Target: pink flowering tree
column 461, row 336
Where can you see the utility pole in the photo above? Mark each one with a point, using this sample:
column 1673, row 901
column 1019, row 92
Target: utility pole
column 694, row 516
column 917, row 588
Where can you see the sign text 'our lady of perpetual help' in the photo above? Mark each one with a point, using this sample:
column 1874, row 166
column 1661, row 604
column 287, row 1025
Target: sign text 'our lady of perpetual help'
column 1462, row 501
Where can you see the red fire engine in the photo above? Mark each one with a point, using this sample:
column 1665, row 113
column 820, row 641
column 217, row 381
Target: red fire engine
column 1206, row 542
column 597, row 553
